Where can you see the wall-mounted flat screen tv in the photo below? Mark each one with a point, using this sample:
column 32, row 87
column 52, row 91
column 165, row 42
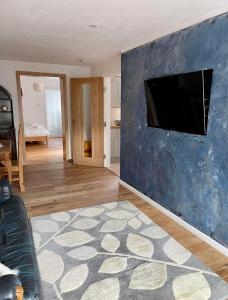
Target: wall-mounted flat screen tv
column 179, row 102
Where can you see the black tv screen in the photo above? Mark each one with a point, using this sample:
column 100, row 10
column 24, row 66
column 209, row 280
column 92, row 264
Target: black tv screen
column 179, row 102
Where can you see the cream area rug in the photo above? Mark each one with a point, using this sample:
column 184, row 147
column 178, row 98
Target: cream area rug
column 115, row 252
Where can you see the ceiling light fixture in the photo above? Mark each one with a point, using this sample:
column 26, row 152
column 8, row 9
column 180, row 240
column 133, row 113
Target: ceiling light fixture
column 38, row 86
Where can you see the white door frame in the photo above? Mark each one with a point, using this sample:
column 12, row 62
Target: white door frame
column 107, row 120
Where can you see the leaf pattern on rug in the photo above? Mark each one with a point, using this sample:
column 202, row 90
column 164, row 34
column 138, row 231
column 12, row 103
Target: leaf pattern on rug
column 85, row 223
column 73, row 238
column 105, row 289
column 191, row 286
column 47, row 260
column 113, row 226
column 134, row 223
column 145, row 219
column 110, row 205
column 119, row 214
column 74, row 278
column 110, row 243
column 46, row 226
column 85, row 253
column 154, row 232
column 148, row 276
column 140, row 245
column 176, row 251
column 92, row 211
column 128, row 205
column 61, row 216
column 113, row 265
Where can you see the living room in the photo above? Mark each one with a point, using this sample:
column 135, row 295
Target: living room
column 158, row 230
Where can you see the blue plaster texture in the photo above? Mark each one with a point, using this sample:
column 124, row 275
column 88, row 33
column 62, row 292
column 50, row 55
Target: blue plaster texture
column 185, row 173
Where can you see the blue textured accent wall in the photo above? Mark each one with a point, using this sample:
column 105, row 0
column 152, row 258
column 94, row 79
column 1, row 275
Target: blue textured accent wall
column 185, row 173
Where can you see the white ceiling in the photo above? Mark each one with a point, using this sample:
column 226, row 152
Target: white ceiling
column 56, row 31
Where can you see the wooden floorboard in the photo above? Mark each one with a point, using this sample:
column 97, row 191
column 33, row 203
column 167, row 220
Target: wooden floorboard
column 53, row 185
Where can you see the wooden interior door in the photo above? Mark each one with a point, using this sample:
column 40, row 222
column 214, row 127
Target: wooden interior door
column 88, row 134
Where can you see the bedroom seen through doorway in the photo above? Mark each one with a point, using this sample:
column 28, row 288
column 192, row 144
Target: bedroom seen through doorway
column 42, row 118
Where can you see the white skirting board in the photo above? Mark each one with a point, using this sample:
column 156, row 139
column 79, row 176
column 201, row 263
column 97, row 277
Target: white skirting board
column 189, row 227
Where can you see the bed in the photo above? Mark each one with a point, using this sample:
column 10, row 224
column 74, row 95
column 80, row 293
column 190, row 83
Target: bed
column 36, row 133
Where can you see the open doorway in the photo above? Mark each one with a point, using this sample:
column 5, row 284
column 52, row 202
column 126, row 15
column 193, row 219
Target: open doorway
column 115, row 118
column 87, row 113
column 43, row 115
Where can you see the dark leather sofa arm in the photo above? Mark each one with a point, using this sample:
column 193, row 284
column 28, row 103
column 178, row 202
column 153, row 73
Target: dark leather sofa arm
column 5, row 191
column 8, row 284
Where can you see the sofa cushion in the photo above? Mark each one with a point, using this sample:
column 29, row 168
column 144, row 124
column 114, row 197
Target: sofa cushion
column 14, row 222
column 1, row 229
column 1, row 240
column 17, row 249
column 5, row 190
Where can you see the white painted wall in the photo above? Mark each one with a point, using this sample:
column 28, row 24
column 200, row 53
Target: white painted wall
column 115, row 98
column 111, row 114
column 53, row 112
column 8, row 80
column 115, row 115
column 33, row 104
column 107, row 67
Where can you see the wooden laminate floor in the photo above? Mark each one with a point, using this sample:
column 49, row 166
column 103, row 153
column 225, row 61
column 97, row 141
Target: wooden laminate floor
column 39, row 153
column 53, row 185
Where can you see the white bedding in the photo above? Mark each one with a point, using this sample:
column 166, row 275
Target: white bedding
column 36, row 130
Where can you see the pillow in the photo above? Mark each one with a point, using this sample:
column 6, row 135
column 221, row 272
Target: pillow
column 36, row 125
